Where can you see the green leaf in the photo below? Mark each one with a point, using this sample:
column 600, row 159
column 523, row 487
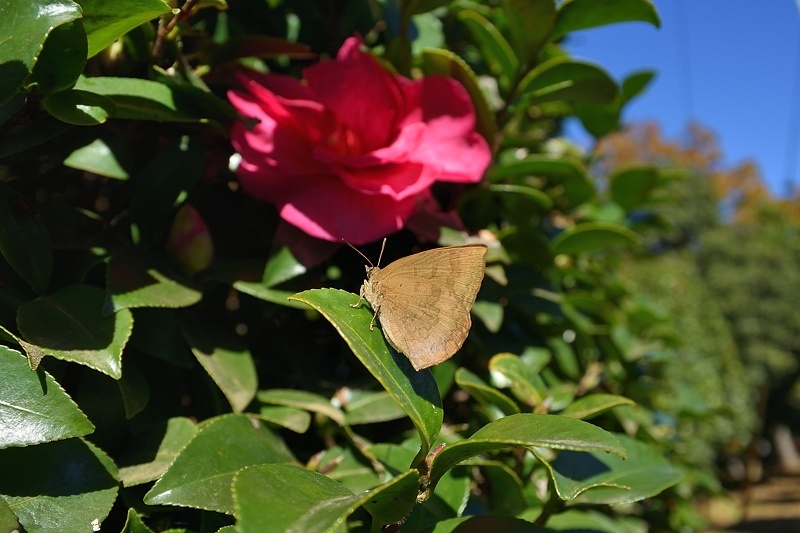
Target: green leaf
column 524, row 380
column 476, row 524
column 296, row 420
column 495, row 50
column 256, row 289
column 140, row 99
column 107, row 157
column 134, row 524
column 59, row 486
column 634, row 84
column 30, row 134
column 33, row 406
column 24, row 240
column 574, row 15
column 536, row 197
column 26, row 25
column 8, row 521
column 282, row 266
column 80, row 108
column 564, row 78
column 302, row 400
column 486, row 395
column 594, row 404
column 415, row 392
column 528, row 430
column 168, row 177
column 530, row 23
column 70, row 325
column 202, row 474
column 446, row 63
column 148, row 457
column 317, row 503
column 605, row 479
column 371, row 408
column 108, row 20
column 594, row 236
column 568, row 173
column 507, row 497
column 224, row 357
column 631, row 187
column 61, row 61
column 135, row 278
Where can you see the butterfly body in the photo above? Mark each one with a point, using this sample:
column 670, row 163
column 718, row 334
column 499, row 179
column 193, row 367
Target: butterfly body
column 423, row 301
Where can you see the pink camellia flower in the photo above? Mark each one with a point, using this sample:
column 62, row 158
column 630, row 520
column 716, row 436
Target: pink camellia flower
column 349, row 151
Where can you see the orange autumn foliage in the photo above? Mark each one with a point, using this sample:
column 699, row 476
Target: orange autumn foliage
column 698, row 151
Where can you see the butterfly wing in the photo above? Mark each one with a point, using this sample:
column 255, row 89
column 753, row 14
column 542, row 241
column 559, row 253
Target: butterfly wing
column 426, row 299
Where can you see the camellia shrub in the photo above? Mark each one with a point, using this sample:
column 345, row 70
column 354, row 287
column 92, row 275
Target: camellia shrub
column 179, row 346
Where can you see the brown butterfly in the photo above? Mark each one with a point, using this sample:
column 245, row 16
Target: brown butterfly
column 423, row 301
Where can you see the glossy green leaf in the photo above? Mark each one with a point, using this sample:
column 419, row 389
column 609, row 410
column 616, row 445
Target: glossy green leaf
column 446, row 63
column 33, row 406
column 507, row 497
column 291, row 418
column 134, row 524
column 350, row 467
column 109, row 158
column 26, row 25
column 8, row 521
column 61, row 60
column 634, row 84
column 79, row 108
column 479, row 524
column 485, row 394
column 564, row 78
column 536, row 197
column 148, row 457
column 276, row 296
column 495, row 50
column 574, row 15
column 530, row 23
column 223, row 355
column 317, row 503
column 108, row 20
column 24, row 239
column 594, row 521
column 70, row 325
column 302, row 400
column 203, row 471
column 594, row 404
column 372, row 408
column 282, row 266
column 414, row 391
column 31, row 134
column 631, row 187
column 168, row 177
column 59, row 486
column 140, row 99
column 606, row 479
column 568, row 173
column 594, row 236
column 490, row 313
column 136, row 278
column 527, row 430
column 524, row 381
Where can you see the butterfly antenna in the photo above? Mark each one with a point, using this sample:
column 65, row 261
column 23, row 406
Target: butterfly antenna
column 383, row 245
column 361, row 254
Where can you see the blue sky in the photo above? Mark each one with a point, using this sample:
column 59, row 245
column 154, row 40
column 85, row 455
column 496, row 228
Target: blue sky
column 730, row 65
